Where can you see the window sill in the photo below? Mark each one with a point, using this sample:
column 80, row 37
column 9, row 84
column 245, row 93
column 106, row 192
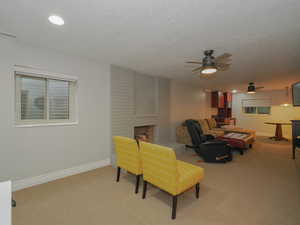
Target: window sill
column 255, row 114
column 46, row 124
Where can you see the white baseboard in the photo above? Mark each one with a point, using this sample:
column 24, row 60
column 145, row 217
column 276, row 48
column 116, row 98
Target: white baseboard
column 41, row 179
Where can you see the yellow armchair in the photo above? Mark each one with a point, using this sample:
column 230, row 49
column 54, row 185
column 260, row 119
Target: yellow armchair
column 161, row 169
column 128, row 158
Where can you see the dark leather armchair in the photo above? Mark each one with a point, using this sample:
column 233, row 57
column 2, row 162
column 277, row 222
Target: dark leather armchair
column 206, row 146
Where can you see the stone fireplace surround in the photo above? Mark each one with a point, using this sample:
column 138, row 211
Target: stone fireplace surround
column 129, row 92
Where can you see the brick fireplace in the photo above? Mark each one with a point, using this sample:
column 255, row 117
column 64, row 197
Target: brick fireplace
column 144, row 133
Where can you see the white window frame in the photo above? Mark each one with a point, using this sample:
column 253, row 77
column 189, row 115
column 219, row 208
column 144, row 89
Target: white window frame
column 257, row 102
column 256, row 111
column 34, row 73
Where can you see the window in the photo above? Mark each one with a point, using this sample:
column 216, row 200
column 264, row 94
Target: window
column 58, row 96
column 263, row 110
column 257, row 110
column 257, row 106
column 42, row 100
column 250, row 110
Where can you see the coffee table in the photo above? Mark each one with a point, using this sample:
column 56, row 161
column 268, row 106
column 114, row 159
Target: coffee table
column 241, row 143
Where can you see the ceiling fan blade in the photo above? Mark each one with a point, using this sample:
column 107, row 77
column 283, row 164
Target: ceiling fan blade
column 194, row 62
column 223, row 58
column 257, row 88
column 190, row 66
column 197, row 69
column 226, row 60
column 223, row 66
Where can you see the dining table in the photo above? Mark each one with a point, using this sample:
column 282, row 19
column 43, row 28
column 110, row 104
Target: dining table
column 278, row 131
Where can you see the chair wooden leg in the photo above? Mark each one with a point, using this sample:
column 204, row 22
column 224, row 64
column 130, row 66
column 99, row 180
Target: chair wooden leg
column 174, row 207
column 197, row 190
column 144, row 189
column 137, row 184
column 118, row 174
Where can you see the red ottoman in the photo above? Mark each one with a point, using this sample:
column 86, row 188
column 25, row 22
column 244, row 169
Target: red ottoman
column 235, row 143
column 238, row 140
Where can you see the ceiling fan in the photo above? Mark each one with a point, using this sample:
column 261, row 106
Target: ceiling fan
column 252, row 88
column 211, row 64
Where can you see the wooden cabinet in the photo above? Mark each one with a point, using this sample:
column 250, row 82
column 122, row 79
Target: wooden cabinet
column 223, row 102
column 217, row 99
column 221, row 99
column 228, row 100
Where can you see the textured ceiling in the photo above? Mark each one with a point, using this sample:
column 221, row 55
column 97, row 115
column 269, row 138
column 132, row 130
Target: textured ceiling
column 157, row 36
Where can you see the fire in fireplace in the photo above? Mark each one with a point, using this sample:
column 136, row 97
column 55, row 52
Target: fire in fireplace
column 144, row 133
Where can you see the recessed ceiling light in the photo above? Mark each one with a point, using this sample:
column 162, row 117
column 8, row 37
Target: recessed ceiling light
column 234, row 91
column 57, row 20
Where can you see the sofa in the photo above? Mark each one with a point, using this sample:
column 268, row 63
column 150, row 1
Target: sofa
column 209, row 126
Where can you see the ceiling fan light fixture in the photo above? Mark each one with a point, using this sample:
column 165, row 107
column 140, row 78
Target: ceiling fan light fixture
column 251, row 89
column 209, row 70
column 210, row 64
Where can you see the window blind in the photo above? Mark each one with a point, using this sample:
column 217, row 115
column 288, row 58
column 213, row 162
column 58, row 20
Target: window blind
column 266, row 102
column 33, row 98
column 58, row 97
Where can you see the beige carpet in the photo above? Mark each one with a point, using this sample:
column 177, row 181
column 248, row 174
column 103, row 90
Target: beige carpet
column 262, row 187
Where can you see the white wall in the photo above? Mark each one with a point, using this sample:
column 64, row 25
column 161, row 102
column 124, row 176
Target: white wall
column 28, row 152
column 187, row 102
column 209, row 110
column 256, row 122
